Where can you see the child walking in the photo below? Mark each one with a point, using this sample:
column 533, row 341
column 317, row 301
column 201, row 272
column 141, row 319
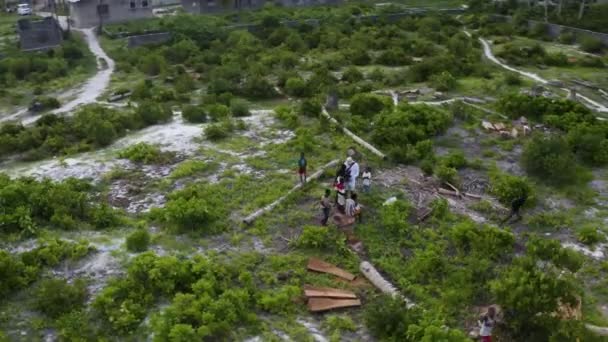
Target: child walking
column 367, row 179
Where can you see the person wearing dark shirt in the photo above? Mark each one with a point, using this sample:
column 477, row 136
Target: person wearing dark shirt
column 302, row 164
column 325, row 207
column 515, row 206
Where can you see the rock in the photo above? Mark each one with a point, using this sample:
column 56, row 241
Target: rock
column 555, row 83
column 487, row 125
column 390, row 201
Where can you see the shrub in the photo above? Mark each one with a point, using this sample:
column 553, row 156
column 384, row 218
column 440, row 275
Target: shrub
column 310, row 107
column 443, row 81
column 388, row 318
column 352, row 75
column 567, row 37
column 218, row 131
column 368, row 105
column 427, row 166
column 550, row 159
column 195, row 114
column 47, row 102
column 189, row 214
column 591, row 44
column 508, row 188
column 279, row 301
column 288, row 116
column 138, row 241
column 590, row 235
column 447, row 174
column 191, row 167
column 218, row 112
column 55, row 297
column 296, row 86
column 239, row 108
column 322, row 238
column 144, row 153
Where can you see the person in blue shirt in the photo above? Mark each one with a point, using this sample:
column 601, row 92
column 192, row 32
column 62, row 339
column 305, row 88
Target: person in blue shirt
column 302, row 164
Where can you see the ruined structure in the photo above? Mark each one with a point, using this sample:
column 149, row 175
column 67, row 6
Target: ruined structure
column 90, row 13
column 40, row 34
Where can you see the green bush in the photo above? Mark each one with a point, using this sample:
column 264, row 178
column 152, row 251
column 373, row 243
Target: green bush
column 443, row 81
column 310, row 107
column 321, row 238
column 239, row 108
column 508, row 188
column 191, row 167
column 368, row 105
column 591, row 44
column 287, row 116
column 279, row 301
column 218, row 131
column 567, row 37
column 550, row 159
column 447, row 174
column 195, row 114
column 138, row 241
column 296, row 86
column 352, row 75
column 55, row 297
column 144, row 153
column 590, row 235
column 47, row 103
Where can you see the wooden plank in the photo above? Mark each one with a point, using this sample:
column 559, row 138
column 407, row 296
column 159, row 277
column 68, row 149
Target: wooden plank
column 317, row 265
column 311, row 291
column 324, row 304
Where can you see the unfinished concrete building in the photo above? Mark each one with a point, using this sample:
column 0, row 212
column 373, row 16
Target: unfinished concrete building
column 37, row 35
column 90, row 13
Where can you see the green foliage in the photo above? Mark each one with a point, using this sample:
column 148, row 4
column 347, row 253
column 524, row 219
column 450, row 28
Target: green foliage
column 195, row 114
column 218, row 112
column 47, row 102
column 408, row 125
column 590, row 235
column 191, row 167
column 446, row 173
column 90, row 127
column 279, row 301
column 55, row 297
column 219, row 131
column 310, row 107
column 591, row 44
column 296, row 86
column 138, row 241
column 144, row 153
column 550, row 220
column 29, row 205
column 489, row 242
column 549, row 159
column 321, row 238
column 551, row 250
column 368, row 105
column 239, row 108
column 18, row 271
column 443, row 81
column 287, row 116
column 337, row 324
column 195, row 208
column 508, row 188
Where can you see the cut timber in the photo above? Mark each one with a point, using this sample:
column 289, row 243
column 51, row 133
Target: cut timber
column 324, row 304
column 602, row 331
column 370, row 272
column 252, row 217
column 311, row 291
column 317, row 265
column 353, row 136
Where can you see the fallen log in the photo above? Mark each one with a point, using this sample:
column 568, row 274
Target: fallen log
column 473, row 195
column 324, row 304
column 311, row 291
column 252, row 217
column 317, row 265
column 370, row 272
column 448, row 192
column 353, row 136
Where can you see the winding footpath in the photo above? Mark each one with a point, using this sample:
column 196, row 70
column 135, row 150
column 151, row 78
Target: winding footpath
column 85, row 94
column 487, row 51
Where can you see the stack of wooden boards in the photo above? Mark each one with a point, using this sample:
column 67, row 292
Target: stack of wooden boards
column 326, row 298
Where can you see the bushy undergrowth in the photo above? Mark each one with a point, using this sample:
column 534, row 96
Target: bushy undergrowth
column 55, row 297
column 91, row 127
column 138, row 241
column 29, row 205
column 145, row 153
column 20, row 270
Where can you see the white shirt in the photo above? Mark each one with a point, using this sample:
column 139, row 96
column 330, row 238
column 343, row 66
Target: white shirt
column 486, row 327
column 351, row 206
column 354, row 171
column 367, row 178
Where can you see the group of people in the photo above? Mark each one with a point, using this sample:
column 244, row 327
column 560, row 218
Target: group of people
column 345, row 185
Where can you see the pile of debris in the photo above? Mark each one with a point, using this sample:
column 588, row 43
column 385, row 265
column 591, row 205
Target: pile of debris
column 517, row 128
column 326, row 298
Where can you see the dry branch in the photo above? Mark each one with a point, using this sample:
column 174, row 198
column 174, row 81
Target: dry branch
column 353, row 136
column 252, row 217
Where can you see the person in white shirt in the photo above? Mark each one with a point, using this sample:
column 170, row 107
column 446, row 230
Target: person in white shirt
column 367, row 179
column 486, row 324
column 352, row 207
column 352, row 172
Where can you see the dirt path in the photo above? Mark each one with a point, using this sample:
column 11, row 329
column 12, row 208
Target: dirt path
column 85, row 94
column 487, row 51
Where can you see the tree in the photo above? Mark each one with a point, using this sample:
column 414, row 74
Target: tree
column 55, row 297
column 296, row 86
column 368, row 105
column 550, row 159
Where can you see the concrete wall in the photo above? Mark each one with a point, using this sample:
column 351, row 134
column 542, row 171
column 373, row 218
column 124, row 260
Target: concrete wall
column 554, row 30
column 145, row 39
column 84, row 12
column 216, row 6
column 39, row 35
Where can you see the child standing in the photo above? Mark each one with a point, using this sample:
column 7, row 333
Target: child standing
column 325, row 207
column 302, row 164
column 367, row 179
column 340, row 194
